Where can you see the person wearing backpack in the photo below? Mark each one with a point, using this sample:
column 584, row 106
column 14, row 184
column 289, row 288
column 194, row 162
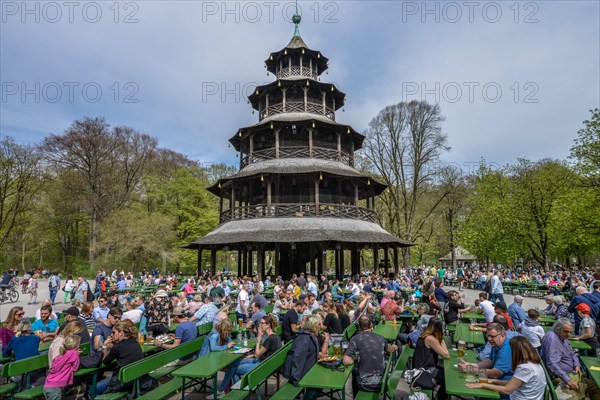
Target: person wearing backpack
column 53, row 285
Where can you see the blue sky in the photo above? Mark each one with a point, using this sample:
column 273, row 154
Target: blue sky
column 513, row 79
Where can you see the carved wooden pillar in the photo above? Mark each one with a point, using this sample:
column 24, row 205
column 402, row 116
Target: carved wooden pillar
column 339, row 146
column 260, row 261
column 239, row 262
column 251, row 148
column 199, row 261
column 284, row 91
column 250, row 263
column 305, row 99
column 277, row 142
column 396, row 265
column 267, row 105
column 386, row 260
column 356, row 200
column 277, row 258
column 312, row 259
column 317, row 196
column 375, row 259
column 310, row 142
column 213, row 261
column 322, row 256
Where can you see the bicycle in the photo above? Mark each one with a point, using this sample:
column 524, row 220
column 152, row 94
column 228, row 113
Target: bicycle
column 9, row 293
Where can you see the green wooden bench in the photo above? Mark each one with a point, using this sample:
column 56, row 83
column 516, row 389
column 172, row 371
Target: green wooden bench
column 287, row 392
column 256, row 377
column 350, row 331
column 155, row 366
column 268, row 309
column 396, row 374
column 204, row 329
column 25, row 367
column 550, row 393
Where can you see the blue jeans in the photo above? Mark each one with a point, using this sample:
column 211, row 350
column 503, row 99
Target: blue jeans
column 53, row 292
column 498, row 296
column 245, row 365
column 237, row 369
column 337, row 297
column 102, row 386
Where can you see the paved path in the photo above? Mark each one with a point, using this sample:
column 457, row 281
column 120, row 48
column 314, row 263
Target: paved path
column 30, row 309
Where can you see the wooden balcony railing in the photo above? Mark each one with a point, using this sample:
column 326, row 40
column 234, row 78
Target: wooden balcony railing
column 297, row 152
column 297, row 106
column 298, row 210
column 296, row 71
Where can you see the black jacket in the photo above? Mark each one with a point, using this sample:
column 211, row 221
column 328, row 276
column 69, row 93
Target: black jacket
column 301, row 357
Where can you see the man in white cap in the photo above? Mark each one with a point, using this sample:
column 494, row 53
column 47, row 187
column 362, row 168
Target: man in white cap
column 516, row 311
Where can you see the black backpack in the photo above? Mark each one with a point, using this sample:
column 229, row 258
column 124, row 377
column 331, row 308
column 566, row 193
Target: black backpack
column 89, row 296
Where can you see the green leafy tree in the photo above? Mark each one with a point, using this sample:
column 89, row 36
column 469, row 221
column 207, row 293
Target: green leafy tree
column 20, row 181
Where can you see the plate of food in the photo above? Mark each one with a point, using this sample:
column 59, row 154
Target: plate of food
column 328, row 359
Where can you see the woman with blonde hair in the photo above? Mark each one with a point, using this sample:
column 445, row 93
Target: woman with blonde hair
column 56, row 345
column 304, row 352
column 63, row 368
column 9, row 327
column 123, row 347
column 218, row 339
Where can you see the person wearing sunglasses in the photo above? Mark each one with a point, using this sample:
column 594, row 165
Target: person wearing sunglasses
column 9, row 327
column 262, row 351
column 499, row 363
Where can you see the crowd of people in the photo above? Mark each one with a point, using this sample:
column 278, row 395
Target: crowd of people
column 313, row 312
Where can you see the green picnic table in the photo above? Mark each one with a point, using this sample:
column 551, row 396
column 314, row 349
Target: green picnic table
column 546, row 320
column 473, row 315
column 388, row 330
column 463, row 332
column 207, row 367
column 455, row 380
column 319, row 377
column 590, row 362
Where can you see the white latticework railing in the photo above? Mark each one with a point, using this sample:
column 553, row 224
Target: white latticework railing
column 297, row 152
column 296, row 71
column 297, row 106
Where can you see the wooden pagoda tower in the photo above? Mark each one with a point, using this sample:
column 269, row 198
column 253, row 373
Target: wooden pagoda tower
column 297, row 193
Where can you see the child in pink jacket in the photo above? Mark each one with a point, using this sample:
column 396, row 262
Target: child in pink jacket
column 62, row 369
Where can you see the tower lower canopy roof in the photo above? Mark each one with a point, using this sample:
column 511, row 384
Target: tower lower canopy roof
column 294, row 166
column 294, row 230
